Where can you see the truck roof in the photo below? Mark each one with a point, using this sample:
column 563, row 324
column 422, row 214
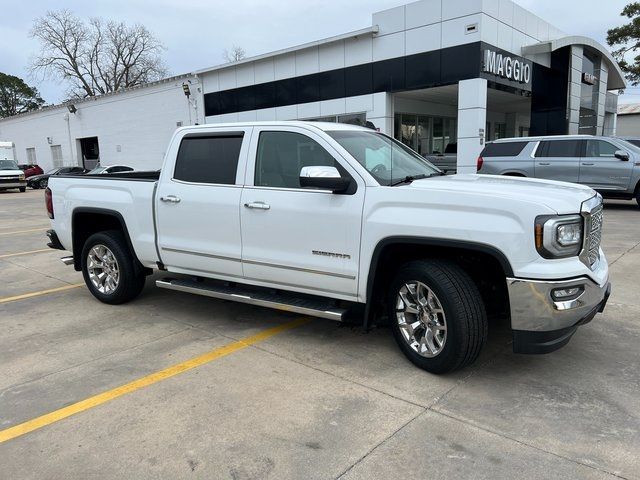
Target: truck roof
column 325, row 126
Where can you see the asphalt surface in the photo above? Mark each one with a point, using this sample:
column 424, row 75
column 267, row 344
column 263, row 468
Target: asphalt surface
column 318, row 400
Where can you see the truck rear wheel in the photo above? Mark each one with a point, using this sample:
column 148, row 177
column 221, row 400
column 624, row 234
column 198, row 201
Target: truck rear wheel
column 437, row 315
column 109, row 270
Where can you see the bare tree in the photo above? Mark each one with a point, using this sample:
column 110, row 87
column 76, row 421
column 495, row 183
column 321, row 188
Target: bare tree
column 236, row 54
column 95, row 57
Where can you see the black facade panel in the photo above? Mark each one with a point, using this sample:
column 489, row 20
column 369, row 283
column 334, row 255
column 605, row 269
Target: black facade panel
column 308, row 88
column 212, row 104
column 388, row 75
column 228, row 101
column 422, row 70
column 245, row 98
column 460, row 63
column 332, row 84
column 358, row 80
column 549, row 95
column 286, row 92
column 265, row 95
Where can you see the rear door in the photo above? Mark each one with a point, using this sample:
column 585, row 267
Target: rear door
column 299, row 238
column 601, row 169
column 198, row 200
column 558, row 160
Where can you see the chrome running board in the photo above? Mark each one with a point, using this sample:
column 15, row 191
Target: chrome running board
column 67, row 260
column 286, row 301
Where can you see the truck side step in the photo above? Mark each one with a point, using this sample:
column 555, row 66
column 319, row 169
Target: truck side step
column 289, row 302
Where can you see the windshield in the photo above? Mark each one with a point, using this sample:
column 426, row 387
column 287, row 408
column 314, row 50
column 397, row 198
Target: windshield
column 386, row 159
column 97, row 170
column 632, row 141
column 8, row 165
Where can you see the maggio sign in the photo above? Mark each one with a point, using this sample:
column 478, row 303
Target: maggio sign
column 512, row 68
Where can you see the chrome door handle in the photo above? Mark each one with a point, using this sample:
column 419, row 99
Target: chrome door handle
column 170, row 199
column 258, row 205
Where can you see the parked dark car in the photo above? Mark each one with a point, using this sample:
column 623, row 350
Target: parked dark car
column 41, row 181
column 31, row 170
column 99, row 170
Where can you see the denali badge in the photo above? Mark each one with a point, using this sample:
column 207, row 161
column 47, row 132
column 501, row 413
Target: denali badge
column 331, row 254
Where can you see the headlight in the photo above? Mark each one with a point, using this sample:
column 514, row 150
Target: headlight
column 21, row 177
column 559, row 236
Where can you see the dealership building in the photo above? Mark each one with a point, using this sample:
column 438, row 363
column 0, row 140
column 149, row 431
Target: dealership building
column 436, row 74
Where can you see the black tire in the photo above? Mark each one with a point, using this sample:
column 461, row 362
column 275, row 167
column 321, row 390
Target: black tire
column 130, row 283
column 466, row 318
column 23, row 189
column 638, row 196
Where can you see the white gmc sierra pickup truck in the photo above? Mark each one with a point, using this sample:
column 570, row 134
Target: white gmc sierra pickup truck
column 336, row 221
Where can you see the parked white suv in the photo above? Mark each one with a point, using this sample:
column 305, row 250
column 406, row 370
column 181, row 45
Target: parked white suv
column 11, row 176
column 329, row 219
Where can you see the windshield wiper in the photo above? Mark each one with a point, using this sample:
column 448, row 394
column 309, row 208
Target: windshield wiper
column 411, row 178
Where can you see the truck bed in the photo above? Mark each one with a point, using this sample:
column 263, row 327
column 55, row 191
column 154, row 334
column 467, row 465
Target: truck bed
column 128, row 195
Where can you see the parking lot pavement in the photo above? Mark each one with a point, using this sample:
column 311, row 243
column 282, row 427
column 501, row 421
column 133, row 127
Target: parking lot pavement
column 321, row 400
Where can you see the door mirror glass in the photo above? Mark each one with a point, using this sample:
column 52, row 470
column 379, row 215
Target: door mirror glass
column 622, row 155
column 323, row 178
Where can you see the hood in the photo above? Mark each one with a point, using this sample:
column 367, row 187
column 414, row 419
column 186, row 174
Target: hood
column 561, row 197
column 11, row 173
column 38, row 177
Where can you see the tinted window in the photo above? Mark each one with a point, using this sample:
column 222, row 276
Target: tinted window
column 208, row 159
column 558, row 148
column 634, row 142
column 600, row 148
column 281, row 156
column 506, row 149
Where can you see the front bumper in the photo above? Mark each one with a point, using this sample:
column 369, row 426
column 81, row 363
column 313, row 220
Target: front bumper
column 12, row 184
column 541, row 323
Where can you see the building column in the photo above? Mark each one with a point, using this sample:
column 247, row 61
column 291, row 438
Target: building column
column 575, row 90
column 602, row 78
column 382, row 114
column 472, row 121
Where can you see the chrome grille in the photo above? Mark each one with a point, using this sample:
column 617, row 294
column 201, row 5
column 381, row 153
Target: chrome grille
column 594, row 235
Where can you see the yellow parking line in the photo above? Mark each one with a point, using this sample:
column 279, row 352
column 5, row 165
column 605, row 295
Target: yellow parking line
column 24, row 231
column 25, row 253
column 24, row 296
column 96, row 400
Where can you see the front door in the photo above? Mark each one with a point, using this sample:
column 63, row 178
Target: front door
column 305, row 240
column 601, row 169
column 198, row 204
column 558, row 160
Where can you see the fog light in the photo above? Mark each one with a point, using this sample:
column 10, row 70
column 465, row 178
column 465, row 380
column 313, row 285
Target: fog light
column 568, row 293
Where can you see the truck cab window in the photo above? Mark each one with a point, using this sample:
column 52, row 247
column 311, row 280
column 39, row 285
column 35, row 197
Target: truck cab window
column 281, row 156
column 210, row 159
column 600, row 148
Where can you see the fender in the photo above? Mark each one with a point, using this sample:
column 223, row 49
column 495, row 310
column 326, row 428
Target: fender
column 427, row 241
column 77, row 249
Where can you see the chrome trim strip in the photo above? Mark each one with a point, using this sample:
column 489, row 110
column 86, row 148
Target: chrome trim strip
column 328, row 314
column 300, row 269
column 199, row 254
column 262, row 264
column 67, row 260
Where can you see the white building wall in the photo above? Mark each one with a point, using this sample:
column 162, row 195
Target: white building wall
column 133, row 127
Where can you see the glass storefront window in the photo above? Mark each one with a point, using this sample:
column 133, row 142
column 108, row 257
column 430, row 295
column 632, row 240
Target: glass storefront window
column 588, row 99
column 425, row 134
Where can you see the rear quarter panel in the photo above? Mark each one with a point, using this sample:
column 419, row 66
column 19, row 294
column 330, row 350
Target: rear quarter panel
column 133, row 200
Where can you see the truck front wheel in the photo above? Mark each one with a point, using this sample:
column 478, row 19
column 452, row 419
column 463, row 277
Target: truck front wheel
column 437, row 315
column 109, row 270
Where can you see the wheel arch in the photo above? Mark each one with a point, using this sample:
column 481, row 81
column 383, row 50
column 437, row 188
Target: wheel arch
column 400, row 249
column 513, row 174
column 85, row 221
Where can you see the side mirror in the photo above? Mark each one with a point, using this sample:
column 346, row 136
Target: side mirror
column 622, row 155
column 324, row 178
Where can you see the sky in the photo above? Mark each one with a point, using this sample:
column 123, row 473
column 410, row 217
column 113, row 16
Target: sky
column 196, row 32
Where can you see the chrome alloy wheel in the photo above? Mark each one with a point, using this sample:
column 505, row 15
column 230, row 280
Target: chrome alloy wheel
column 421, row 319
column 103, row 270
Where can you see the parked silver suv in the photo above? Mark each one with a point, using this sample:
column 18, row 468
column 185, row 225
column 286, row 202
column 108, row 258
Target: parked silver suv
column 607, row 164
